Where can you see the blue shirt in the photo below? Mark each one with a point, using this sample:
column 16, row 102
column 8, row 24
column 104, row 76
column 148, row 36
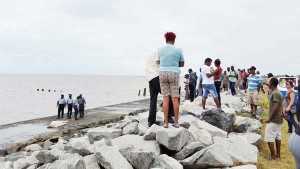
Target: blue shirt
column 169, row 57
column 253, row 82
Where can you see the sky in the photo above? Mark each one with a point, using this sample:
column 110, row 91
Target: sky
column 116, row 37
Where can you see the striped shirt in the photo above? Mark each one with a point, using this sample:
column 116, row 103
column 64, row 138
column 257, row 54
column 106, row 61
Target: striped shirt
column 253, row 82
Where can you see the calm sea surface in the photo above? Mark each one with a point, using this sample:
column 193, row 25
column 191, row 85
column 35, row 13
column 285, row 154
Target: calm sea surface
column 20, row 100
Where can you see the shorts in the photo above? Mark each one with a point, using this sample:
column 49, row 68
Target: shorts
column 273, row 131
column 169, row 84
column 209, row 88
column 253, row 97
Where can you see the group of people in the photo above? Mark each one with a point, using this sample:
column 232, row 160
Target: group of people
column 78, row 104
column 163, row 73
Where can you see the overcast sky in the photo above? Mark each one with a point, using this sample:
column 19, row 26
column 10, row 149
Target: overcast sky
column 115, row 37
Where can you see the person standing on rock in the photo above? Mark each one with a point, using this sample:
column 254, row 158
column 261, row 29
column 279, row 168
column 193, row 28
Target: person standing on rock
column 225, row 81
column 261, row 84
column 82, row 104
column 76, row 106
column 253, row 88
column 61, row 104
column 275, row 120
column 186, row 87
column 70, row 102
column 192, row 83
column 233, row 76
column 208, row 83
column 200, row 88
column 152, row 74
column 217, row 76
column 170, row 60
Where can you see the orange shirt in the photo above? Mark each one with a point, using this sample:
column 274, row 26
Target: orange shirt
column 217, row 76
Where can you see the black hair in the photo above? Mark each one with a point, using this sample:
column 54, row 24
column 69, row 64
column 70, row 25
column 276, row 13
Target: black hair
column 274, row 82
column 290, row 82
column 217, row 62
column 190, row 70
column 208, row 60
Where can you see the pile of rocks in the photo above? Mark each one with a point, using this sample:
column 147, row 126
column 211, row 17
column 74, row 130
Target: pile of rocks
column 212, row 138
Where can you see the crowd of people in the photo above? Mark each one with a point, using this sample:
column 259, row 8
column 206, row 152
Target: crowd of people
column 163, row 73
column 77, row 104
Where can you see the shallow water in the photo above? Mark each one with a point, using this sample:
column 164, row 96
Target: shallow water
column 20, row 100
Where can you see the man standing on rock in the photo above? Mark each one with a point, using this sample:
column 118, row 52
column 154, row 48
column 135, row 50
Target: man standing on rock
column 208, row 83
column 61, row 104
column 70, row 106
column 253, row 86
column 192, row 84
column 233, row 77
column 152, row 74
column 275, row 120
column 82, row 103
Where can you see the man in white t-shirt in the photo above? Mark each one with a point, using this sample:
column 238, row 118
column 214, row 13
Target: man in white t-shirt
column 208, row 83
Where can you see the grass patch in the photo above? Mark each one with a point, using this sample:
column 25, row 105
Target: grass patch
column 287, row 160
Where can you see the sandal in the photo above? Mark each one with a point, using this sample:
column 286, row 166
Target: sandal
column 165, row 126
column 176, row 126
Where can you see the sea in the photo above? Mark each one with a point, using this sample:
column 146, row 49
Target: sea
column 26, row 97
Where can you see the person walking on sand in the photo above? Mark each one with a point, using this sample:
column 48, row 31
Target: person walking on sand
column 253, row 88
column 208, row 83
column 217, row 76
column 70, row 102
column 192, row 83
column 76, row 106
column 61, row 104
column 170, row 60
column 233, row 75
column 152, row 74
column 289, row 107
column 294, row 141
column 82, row 104
column 275, row 120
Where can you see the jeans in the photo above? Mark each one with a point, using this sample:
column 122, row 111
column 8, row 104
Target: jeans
column 192, row 92
column 81, row 110
column 70, row 107
column 232, row 88
column 218, row 86
column 76, row 112
column 291, row 121
column 61, row 108
column 154, row 88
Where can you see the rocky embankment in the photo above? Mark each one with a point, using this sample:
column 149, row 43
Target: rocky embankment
column 212, row 138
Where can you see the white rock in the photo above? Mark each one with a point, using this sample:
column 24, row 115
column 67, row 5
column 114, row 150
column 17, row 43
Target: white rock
column 57, row 152
column 192, row 107
column 96, row 134
column 136, row 142
column 131, row 128
column 44, row 156
column 151, row 133
column 166, row 162
column 24, row 163
column 246, row 124
column 214, row 131
column 55, row 124
column 15, row 156
column 188, row 150
column 80, row 146
column 6, row 165
column 33, row 147
column 102, row 142
column 138, row 159
column 251, row 138
column 90, row 162
column 173, row 138
column 233, row 102
column 143, row 126
column 187, row 119
column 67, row 161
column 200, row 135
column 110, row 158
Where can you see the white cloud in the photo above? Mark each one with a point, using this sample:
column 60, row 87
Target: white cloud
column 116, row 37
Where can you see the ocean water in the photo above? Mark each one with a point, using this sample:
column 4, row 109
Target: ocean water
column 20, row 100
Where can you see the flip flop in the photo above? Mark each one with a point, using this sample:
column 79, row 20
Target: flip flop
column 165, row 126
column 176, row 126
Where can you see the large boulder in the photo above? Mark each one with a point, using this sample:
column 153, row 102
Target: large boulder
column 96, row 134
column 110, row 158
column 137, row 143
column 91, row 162
column 238, row 150
column 199, row 135
column 24, row 163
column 173, row 138
column 80, row 146
column 15, row 156
column 151, row 133
column 66, row 161
column 187, row 119
column 246, row 124
column 166, row 162
column 214, row 131
column 44, row 156
column 137, row 158
column 33, row 147
column 251, row 138
column 6, row 165
column 143, row 126
column 131, row 128
column 193, row 108
column 189, row 150
column 210, row 157
column 233, row 102
column 219, row 118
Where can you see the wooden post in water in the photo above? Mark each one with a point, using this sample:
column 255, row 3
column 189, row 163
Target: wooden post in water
column 139, row 93
column 144, row 92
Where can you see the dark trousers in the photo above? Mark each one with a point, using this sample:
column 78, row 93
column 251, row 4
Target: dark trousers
column 76, row 112
column 70, row 107
column 81, row 110
column 218, row 86
column 192, row 92
column 232, row 88
column 154, row 88
column 291, row 121
column 61, row 108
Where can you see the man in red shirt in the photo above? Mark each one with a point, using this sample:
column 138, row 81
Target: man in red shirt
column 217, row 75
